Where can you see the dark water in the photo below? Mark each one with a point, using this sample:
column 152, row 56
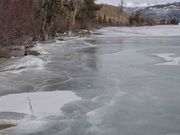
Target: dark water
column 123, row 91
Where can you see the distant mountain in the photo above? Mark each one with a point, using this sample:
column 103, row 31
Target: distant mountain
column 132, row 7
column 131, row 10
column 159, row 12
column 137, row 4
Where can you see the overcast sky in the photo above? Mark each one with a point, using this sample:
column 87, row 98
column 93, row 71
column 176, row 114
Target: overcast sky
column 116, row 2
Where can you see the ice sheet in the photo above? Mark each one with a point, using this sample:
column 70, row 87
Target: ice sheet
column 171, row 59
column 145, row 31
column 37, row 103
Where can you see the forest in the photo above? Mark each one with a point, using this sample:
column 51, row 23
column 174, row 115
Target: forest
column 25, row 21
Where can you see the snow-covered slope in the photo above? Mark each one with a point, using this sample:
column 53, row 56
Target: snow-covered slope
column 137, row 4
column 158, row 12
column 132, row 7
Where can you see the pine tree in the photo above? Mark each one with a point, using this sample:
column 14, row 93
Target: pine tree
column 110, row 21
column 104, row 19
column 100, row 19
column 174, row 21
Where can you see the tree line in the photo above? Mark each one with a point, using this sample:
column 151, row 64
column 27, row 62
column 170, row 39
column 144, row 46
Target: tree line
column 172, row 21
column 24, row 21
column 137, row 20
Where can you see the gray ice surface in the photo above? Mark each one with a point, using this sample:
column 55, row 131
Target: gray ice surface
column 124, row 90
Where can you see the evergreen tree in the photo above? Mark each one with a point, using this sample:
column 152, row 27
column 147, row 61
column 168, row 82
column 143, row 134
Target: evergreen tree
column 100, row 19
column 110, row 21
column 88, row 10
column 163, row 21
column 174, row 21
column 104, row 19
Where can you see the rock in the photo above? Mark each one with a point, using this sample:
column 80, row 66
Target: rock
column 60, row 39
column 18, row 51
column 31, row 52
column 6, row 125
column 84, row 33
column 12, row 51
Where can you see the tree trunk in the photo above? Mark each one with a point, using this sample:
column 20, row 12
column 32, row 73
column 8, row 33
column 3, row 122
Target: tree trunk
column 62, row 3
column 74, row 15
column 45, row 30
column 69, row 23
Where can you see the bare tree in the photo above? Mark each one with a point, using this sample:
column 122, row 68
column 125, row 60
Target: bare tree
column 77, row 4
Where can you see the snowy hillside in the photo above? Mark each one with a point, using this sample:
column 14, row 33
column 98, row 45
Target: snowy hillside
column 137, row 4
column 132, row 7
column 158, row 12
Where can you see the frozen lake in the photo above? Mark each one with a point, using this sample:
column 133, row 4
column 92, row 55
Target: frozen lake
column 118, row 81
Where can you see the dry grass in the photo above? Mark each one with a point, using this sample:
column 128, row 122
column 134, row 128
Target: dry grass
column 113, row 13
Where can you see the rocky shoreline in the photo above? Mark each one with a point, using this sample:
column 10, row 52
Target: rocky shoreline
column 24, row 50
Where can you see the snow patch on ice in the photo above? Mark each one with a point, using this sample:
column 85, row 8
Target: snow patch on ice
column 170, row 58
column 40, row 49
column 34, row 107
column 38, row 104
column 24, row 63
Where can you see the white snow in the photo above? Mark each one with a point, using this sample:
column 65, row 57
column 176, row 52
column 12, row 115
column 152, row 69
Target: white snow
column 35, row 106
column 170, row 58
column 153, row 31
column 129, row 3
column 137, row 4
column 43, row 103
column 27, row 62
column 39, row 47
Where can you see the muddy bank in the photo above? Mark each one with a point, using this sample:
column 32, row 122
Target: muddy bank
column 5, row 126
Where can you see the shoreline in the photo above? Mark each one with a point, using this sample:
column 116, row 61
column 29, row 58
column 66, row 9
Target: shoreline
column 6, row 126
column 27, row 49
column 24, row 50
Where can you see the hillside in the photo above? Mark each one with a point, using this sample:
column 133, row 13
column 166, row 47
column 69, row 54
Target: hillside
column 159, row 12
column 113, row 14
